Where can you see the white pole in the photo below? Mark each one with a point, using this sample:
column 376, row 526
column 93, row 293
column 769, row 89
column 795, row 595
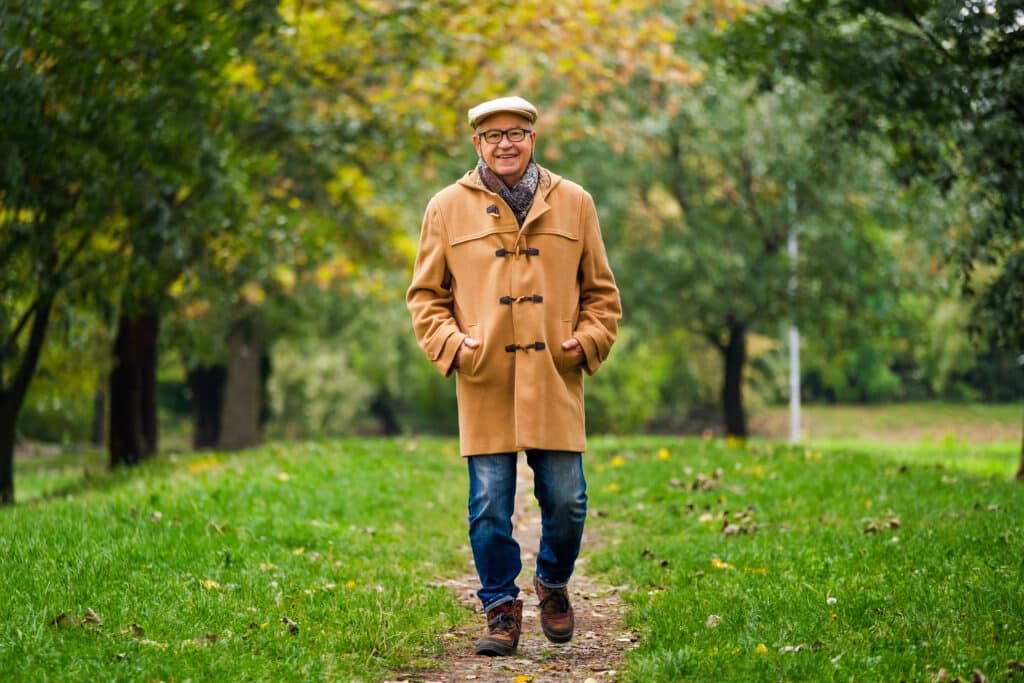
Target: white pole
column 794, row 333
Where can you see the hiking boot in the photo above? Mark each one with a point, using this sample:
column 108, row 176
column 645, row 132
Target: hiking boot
column 504, row 624
column 556, row 616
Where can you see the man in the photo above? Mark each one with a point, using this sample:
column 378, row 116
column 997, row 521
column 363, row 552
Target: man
column 512, row 289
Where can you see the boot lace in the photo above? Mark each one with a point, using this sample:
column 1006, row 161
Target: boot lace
column 502, row 622
column 555, row 602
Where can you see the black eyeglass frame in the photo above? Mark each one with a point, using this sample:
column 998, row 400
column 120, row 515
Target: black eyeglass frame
column 483, row 135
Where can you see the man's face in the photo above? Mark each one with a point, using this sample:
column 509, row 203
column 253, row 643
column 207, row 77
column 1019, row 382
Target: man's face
column 507, row 159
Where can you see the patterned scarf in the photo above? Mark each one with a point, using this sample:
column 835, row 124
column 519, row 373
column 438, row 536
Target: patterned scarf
column 518, row 198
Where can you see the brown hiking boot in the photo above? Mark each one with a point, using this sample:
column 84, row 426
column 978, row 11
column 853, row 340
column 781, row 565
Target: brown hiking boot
column 556, row 616
column 504, row 624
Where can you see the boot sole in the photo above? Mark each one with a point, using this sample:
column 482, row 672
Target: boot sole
column 491, row 648
column 557, row 637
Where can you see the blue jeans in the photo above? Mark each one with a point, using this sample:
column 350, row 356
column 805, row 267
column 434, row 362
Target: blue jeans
column 560, row 489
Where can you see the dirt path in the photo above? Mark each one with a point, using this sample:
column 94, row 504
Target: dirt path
column 594, row 655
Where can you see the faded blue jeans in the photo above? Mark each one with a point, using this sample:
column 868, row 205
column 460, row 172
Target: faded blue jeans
column 560, row 489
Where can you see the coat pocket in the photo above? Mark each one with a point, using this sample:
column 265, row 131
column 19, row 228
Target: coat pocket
column 566, row 360
column 469, row 358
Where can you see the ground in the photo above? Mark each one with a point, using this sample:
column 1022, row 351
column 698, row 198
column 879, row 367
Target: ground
column 595, row 654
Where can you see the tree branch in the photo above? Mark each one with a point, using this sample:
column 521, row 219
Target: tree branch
column 676, row 185
column 908, row 13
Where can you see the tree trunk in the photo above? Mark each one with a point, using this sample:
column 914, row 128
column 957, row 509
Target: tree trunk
column 99, row 418
column 12, row 397
column 206, row 390
column 734, row 354
column 133, row 403
column 7, row 422
column 381, row 408
column 243, row 390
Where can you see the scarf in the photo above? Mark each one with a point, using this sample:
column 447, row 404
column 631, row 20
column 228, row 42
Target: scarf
column 518, row 198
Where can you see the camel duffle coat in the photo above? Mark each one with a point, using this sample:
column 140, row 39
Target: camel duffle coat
column 520, row 292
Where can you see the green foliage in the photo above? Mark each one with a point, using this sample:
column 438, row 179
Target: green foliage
column 314, row 391
column 850, row 560
column 941, row 82
column 192, row 565
column 624, row 397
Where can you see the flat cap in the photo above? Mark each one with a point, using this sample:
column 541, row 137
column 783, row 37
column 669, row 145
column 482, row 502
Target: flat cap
column 513, row 105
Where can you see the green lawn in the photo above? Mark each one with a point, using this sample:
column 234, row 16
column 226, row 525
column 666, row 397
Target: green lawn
column 207, row 555
column 926, row 424
column 846, row 564
column 838, row 566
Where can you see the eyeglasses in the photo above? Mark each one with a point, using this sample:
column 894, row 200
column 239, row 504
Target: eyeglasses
column 494, row 135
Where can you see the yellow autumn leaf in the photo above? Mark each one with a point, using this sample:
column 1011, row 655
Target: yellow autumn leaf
column 718, row 563
column 204, row 464
column 523, row 678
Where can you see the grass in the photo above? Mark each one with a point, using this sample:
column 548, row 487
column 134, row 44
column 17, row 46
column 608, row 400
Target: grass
column 924, row 423
column 845, row 565
column 207, row 555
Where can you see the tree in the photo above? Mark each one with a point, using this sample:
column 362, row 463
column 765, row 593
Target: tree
column 943, row 83
column 727, row 175
column 114, row 133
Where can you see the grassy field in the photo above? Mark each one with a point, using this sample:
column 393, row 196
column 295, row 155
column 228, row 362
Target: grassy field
column 319, row 561
column 925, row 424
column 766, row 563
column 305, row 562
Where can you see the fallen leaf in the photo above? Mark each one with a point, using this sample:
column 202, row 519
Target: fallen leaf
column 292, row 626
column 92, row 617
column 786, row 649
column 133, row 630
column 717, row 563
column 523, row 678
column 211, row 637
column 64, row 619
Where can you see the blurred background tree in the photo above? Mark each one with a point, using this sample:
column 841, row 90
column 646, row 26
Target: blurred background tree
column 942, row 83
column 208, row 213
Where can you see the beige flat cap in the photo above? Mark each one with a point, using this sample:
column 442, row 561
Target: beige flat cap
column 513, row 105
